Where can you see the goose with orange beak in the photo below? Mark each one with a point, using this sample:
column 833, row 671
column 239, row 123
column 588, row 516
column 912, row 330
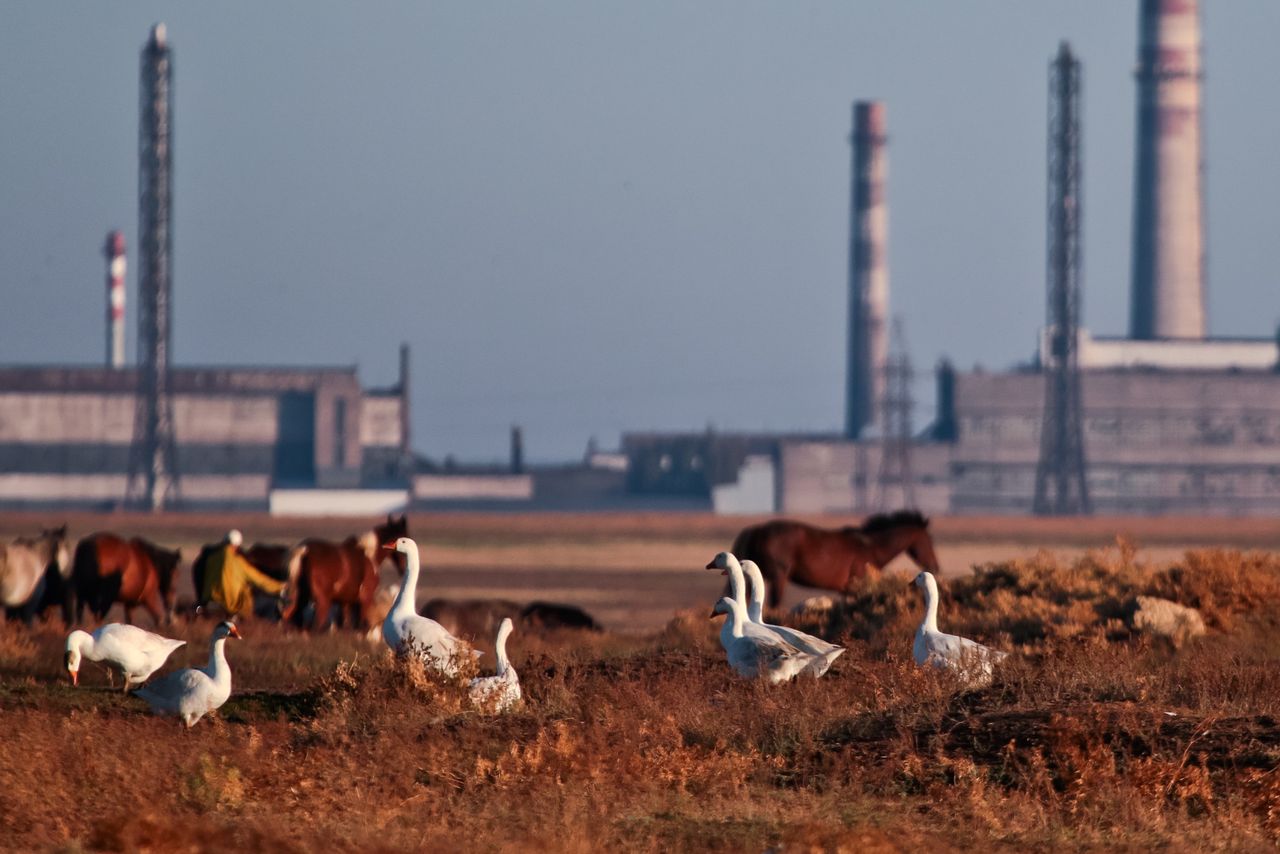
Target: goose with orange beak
column 193, row 693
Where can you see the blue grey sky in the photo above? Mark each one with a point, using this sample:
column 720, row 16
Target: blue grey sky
column 587, row 217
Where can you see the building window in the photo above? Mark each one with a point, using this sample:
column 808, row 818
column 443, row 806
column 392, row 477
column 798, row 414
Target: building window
column 340, row 433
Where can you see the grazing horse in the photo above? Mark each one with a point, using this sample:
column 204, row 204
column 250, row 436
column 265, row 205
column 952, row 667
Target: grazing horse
column 29, row 566
column 481, row 617
column 109, row 569
column 323, row 574
column 834, row 559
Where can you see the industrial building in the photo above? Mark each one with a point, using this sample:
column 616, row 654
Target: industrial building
column 1165, row 420
column 245, row 438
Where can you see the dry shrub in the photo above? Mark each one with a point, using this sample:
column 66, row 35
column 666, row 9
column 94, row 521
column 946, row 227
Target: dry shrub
column 1087, row 738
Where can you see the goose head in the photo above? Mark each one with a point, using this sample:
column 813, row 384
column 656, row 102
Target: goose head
column 226, row 629
column 925, row 580
column 71, row 660
column 722, row 561
column 403, row 545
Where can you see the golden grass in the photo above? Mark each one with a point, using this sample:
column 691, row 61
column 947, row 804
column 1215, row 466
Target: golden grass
column 1090, row 737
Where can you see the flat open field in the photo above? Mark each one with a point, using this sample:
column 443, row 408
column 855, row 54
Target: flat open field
column 633, row 571
column 1093, row 736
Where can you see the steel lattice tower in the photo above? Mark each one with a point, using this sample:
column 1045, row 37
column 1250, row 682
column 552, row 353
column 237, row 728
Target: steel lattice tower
column 895, row 443
column 1061, row 485
column 153, row 472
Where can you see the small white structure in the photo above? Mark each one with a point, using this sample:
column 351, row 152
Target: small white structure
column 337, row 502
column 752, row 493
column 1204, row 354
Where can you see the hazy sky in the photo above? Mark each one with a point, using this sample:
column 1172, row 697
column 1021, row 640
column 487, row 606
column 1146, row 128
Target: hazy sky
column 594, row 216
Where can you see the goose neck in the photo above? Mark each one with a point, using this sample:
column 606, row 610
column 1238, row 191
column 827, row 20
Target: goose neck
column 218, row 667
column 737, row 617
column 80, row 644
column 500, row 650
column 930, row 606
column 737, row 582
column 409, row 584
column 755, row 608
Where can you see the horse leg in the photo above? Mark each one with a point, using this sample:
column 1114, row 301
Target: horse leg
column 154, row 608
column 322, row 603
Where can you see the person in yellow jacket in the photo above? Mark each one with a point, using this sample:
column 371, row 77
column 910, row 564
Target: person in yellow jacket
column 229, row 579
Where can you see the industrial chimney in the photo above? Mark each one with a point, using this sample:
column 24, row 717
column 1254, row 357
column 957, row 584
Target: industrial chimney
column 1167, row 289
column 115, row 300
column 868, row 269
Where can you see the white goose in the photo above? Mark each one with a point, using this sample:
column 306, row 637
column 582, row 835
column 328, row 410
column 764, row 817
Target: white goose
column 974, row 662
column 757, row 656
column 728, row 565
column 824, row 652
column 135, row 652
column 501, row 690
column 192, row 693
column 405, row 629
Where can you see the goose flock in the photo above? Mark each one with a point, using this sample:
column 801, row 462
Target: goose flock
column 756, row 649
column 753, row 648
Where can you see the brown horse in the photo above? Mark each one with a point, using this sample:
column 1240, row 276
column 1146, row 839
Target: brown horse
column 108, row 569
column 323, row 574
column 833, row 559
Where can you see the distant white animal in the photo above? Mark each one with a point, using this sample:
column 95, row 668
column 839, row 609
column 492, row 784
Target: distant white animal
column 755, row 656
column 973, row 662
column 192, row 693
column 824, row 652
column 135, row 652
column 405, row 629
column 501, row 690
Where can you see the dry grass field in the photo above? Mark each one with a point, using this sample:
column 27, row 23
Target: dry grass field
column 640, row 739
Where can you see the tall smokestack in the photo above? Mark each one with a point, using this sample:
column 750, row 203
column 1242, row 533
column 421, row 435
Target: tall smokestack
column 115, row 300
column 1167, row 297
column 868, row 269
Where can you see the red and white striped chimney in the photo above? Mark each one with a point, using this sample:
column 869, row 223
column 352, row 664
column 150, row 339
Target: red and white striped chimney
column 868, row 269
column 1167, row 289
column 115, row 300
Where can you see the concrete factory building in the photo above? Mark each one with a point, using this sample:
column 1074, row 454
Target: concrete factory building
column 246, row 438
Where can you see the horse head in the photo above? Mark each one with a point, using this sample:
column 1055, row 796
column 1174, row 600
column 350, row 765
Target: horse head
column 59, row 552
column 907, row 531
column 920, row 549
column 390, row 531
column 166, row 563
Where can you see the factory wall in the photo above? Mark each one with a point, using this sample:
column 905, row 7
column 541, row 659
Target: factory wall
column 1193, row 442
column 843, row 477
column 66, row 433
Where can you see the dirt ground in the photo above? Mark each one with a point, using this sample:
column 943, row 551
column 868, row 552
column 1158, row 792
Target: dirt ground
column 633, row 571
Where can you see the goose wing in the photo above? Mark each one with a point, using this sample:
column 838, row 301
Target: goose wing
column 168, row 694
column 138, row 651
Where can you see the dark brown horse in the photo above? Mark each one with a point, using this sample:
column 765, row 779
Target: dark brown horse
column 108, row 569
column 833, row 559
column 323, row 574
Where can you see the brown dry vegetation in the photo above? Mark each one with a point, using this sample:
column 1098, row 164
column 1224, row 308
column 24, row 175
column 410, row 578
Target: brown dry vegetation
column 1090, row 737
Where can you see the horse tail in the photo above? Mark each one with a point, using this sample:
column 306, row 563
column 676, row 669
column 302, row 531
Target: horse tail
column 84, row 568
column 297, row 590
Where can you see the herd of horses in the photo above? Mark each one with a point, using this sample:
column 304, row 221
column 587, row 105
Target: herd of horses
column 333, row 583
column 326, row 580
